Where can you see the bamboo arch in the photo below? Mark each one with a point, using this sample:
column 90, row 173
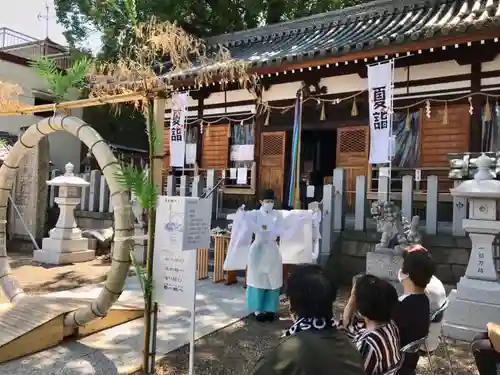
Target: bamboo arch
column 122, row 211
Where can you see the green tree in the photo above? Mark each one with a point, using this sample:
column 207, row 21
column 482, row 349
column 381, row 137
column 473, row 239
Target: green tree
column 199, row 17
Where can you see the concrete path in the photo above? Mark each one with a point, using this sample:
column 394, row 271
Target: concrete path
column 119, row 350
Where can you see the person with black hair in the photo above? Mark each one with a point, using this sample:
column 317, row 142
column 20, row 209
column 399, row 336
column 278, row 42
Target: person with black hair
column 413, row 312
column 312, row 345
column 376, row 336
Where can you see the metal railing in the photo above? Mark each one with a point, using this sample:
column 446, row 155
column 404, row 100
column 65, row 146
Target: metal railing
column 22, row 45
column 10, row 38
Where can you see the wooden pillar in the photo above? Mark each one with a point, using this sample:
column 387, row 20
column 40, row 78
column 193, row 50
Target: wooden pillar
column 199, row 140
column 477, row 102
column 200, row 95
column 259, row 120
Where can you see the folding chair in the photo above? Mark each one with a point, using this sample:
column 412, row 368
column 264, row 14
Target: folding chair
column 437, row 317
column 414, row 348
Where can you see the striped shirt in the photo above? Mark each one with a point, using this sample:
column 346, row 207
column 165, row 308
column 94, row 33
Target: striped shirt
column 379, row 348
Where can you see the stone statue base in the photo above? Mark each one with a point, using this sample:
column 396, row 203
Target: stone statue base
column 473, row 304
column 384, row 264
column 57, row 251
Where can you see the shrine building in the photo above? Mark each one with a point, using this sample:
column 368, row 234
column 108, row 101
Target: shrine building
column 446, row 78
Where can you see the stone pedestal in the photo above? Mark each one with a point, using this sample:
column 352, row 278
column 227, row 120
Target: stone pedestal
column 384, row 265
column 30, row 193
column 476, row 301
column 65, row 243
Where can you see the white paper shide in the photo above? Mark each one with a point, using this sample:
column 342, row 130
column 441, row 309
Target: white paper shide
column 380, row 91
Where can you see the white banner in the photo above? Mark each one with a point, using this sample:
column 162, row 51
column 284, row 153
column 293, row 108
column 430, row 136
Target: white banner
column 177, row 129
column 380, row 91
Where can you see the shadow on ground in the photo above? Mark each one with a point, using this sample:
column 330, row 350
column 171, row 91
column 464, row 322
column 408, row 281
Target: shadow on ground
column 64, row 280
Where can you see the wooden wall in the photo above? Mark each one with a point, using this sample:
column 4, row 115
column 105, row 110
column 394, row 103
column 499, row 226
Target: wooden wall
column 215, row 150
column 438, row 139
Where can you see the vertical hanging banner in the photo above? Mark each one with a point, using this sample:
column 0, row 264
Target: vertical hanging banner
column 380, row 91
column 177, row 129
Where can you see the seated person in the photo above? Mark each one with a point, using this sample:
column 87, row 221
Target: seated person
column 377, row 337
column 312, row 345
column 413, row 311
column 485, row 348
column 437, row 298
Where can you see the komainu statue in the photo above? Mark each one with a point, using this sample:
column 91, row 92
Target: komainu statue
column 397, row 232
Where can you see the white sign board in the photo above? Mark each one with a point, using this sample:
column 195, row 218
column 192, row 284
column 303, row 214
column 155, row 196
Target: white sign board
column 183, row 223
column 174, row 277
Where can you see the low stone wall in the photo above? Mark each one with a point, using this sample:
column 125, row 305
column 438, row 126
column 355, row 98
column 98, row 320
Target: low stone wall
column 450, row 253
column 93, row 220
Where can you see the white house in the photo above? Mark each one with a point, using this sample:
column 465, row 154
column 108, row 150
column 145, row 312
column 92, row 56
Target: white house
column 30, row 189
column 15, row 69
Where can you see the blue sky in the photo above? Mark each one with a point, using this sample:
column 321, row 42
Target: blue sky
column 22, row 16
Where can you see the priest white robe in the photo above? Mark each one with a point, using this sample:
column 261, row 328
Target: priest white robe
column 262, row 258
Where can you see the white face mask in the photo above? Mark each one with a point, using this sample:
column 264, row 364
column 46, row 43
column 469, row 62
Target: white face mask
column 402, row 276
column 268, row 207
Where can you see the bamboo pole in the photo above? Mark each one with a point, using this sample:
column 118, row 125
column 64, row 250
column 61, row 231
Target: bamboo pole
column 81, row 103
column 155, row 176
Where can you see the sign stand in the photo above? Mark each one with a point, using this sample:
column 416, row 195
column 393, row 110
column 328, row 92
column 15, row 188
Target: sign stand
column 192, row 334
column 152, row 355
column 182, row 224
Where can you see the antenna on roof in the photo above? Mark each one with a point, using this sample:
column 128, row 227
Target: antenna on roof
column 45, row 17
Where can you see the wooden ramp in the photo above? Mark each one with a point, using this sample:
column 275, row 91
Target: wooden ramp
column 35, row 323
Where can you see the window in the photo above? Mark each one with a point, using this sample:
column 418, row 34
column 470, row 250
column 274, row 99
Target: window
column 407, row 135
column 490, row 137
column 192, row 134
column 242, row 146
column 406, row 132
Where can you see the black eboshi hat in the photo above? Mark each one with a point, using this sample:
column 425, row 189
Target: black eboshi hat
column 268, row 194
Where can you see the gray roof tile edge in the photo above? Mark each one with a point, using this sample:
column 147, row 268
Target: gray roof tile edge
column 321, row 20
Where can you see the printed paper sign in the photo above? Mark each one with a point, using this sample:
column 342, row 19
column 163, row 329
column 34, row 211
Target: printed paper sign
column 174, row 277
column 183, row 223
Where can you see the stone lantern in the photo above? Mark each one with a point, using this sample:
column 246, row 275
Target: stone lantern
column 476, row 301
column 65, row 243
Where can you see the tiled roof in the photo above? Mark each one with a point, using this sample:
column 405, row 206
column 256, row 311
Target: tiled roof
column 371, row 25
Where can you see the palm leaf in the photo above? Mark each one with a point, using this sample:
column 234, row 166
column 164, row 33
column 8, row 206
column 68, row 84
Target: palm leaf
column 78, row 71
column 60, row 82
column 45, row 66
